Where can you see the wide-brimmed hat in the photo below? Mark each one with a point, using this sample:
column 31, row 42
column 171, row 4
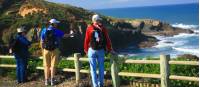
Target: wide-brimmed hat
column 54, row 21
column 96, row 17
column 21, row 29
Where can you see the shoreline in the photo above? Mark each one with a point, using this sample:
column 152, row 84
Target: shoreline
column 172, row 32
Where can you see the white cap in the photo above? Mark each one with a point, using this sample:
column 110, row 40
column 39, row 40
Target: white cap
column 19, row 30
column 54, row 21
column 96, row 17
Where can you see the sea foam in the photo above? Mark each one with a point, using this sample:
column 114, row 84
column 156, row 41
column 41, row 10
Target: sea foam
column 185, row 26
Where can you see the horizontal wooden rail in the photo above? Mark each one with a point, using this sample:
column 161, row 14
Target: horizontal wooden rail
column 142, row 61
column 72, row 70
column 139, row 75
column 144, row 75
column 126, row 61
column 42, row 68
column 72, row 58
column 6, row 57
column 7, row 65
column 63, row 58
column 174, row 77
column 184, row 62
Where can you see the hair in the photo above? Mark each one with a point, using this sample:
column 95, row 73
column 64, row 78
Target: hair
column 53, row 24
column 20, row 33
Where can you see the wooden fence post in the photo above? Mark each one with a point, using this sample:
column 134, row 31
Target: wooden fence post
column 77, row 66
column 114, row 72
column 164, row 70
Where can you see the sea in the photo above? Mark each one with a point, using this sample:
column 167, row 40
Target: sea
column 185, row 16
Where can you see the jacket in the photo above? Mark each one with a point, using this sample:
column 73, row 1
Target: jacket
column 88, row 37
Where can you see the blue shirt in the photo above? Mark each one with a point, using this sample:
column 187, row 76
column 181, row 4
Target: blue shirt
column 58, row 33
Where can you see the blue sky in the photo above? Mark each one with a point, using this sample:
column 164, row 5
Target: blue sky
column 100, row 4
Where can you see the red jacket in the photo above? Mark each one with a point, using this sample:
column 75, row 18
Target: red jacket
column 88, row 34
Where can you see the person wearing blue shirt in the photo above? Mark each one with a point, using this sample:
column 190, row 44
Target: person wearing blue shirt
column 21, row 54
column 58, row 34
column 51, row 55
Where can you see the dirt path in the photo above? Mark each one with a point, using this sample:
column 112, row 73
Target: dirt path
column 62, row 79
column 12, row 83
column 61, row 82
column 8, row 82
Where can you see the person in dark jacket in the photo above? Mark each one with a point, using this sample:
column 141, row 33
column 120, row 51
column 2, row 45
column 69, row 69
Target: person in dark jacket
column 21, row 54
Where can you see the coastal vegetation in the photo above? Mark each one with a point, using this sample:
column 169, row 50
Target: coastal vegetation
column 182, row 70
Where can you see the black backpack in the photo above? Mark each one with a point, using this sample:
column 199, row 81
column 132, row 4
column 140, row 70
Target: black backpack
column 98, row 40
column 14, row 44
column 50, row 42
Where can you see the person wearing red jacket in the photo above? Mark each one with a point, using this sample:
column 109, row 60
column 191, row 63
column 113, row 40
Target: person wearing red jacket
column 96, row 43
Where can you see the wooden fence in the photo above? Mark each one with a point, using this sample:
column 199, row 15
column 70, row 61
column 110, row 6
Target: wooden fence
column 164, row 69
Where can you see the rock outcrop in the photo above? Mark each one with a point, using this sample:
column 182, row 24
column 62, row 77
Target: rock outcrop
column 28, row 9
column 155, row 27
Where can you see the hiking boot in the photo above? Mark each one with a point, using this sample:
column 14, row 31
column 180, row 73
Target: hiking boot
column 52, row 82
column 46, row 82
column 19, row 82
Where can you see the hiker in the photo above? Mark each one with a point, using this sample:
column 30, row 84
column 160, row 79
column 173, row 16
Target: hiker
column 96, row 43
column 51, row 39
column 19, row 48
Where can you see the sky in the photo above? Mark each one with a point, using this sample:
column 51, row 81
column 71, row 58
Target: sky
column 103, row 4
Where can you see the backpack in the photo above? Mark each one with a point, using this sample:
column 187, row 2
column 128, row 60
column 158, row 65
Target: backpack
column 50, row 42
column 14, row 44
column 98, row 40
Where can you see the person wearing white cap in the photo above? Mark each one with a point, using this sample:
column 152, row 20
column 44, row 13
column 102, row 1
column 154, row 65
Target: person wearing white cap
column 97, row 42
column 20, row 50
column 20, row 30
column 51, row 38
column 96, row 18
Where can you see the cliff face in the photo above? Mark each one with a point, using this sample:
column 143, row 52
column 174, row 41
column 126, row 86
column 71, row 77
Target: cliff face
column 28, row 9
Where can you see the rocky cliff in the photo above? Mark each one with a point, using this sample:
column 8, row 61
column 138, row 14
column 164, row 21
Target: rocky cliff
column 156, row 27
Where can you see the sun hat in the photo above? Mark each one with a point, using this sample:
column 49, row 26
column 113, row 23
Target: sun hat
column 54, row 21
column 21, row 29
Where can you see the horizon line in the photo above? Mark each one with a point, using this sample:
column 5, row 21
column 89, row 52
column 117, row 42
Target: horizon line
column 142, row 6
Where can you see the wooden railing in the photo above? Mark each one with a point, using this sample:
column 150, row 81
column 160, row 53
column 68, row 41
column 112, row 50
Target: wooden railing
column 164, row 69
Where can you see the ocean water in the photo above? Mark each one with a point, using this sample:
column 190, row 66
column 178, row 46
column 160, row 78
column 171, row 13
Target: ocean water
column 185, row 16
